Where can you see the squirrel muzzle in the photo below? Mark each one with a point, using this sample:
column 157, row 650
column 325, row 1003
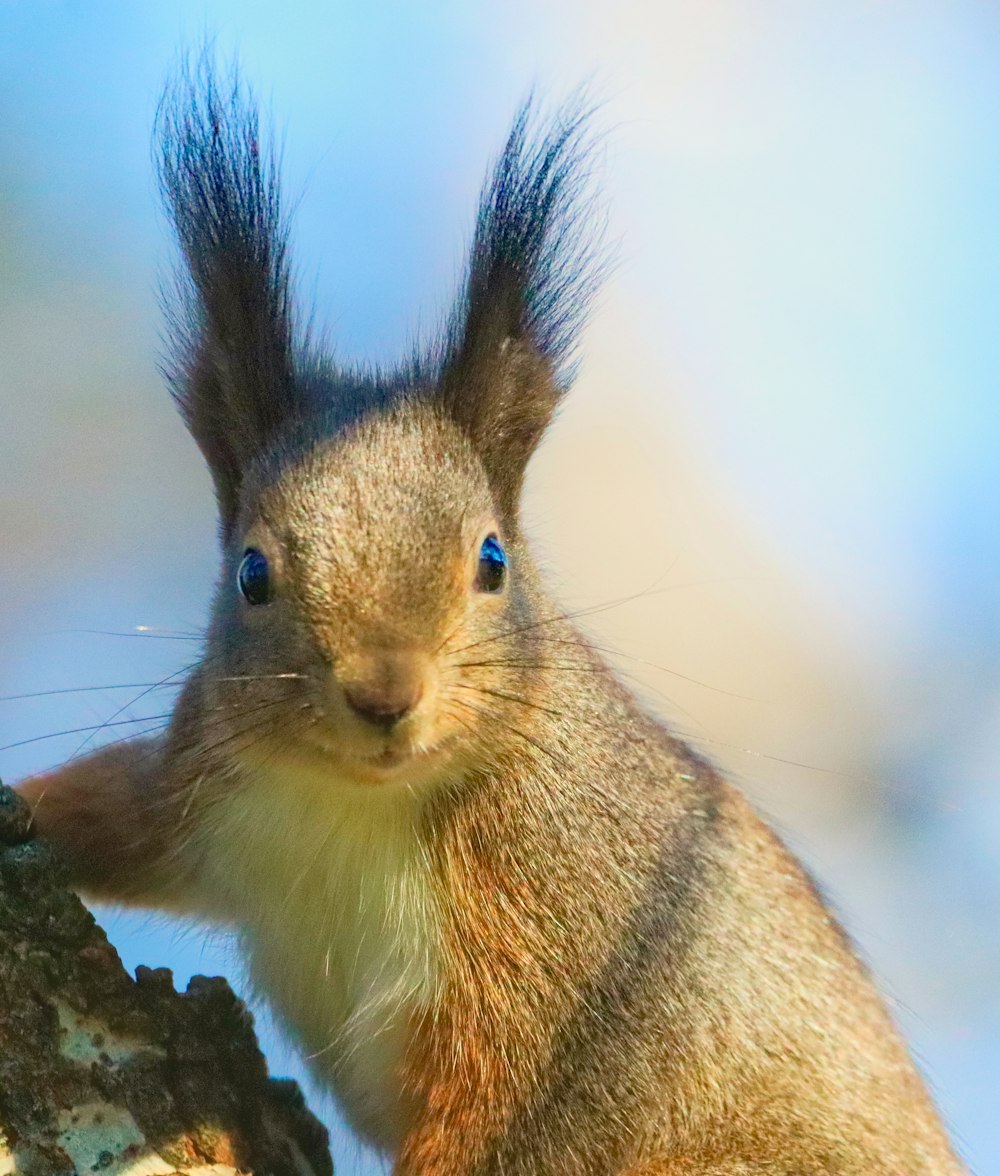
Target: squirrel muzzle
column 383, row 686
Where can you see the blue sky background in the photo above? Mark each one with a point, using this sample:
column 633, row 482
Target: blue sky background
column 787, row 414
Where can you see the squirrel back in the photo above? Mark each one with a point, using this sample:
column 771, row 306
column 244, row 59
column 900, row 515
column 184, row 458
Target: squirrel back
column 516, row 924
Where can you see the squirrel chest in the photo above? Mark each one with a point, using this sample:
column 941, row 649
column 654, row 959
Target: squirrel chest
column 332, row 892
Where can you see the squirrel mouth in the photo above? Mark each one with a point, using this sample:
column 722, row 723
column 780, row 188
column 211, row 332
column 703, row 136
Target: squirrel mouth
column 392, row 757
column 396, row 756
column 410, row 762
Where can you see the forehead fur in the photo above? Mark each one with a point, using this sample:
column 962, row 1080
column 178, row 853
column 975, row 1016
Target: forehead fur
column 383, row 512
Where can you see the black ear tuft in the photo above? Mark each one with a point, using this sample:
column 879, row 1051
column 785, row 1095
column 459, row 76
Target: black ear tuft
column 231, row 365
column 532, row 271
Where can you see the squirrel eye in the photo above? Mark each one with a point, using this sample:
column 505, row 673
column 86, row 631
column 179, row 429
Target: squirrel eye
column 254, row 579
column 492, row 565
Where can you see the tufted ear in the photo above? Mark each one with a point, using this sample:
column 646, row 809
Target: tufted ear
column 531, row 273
column 231, row 365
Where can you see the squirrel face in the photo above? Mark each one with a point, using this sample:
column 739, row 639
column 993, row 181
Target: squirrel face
column 355, row 577
column 366, row 516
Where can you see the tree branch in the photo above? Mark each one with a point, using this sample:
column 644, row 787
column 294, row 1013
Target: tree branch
column 100, row 1073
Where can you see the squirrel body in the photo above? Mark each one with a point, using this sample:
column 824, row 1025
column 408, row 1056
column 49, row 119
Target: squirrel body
column 516, row 925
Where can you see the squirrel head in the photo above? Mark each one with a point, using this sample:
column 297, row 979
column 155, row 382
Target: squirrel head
column 374, row 577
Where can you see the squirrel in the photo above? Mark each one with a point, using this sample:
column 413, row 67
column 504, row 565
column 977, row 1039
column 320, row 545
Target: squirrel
column 517, row 925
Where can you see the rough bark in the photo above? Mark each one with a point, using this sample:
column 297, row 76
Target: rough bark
column 100, row 1073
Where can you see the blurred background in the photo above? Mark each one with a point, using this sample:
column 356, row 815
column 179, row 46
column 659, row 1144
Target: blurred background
column 780, row 459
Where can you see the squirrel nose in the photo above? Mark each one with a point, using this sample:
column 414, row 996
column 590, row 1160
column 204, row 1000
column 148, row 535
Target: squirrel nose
column 380, row 707
column 385, row 686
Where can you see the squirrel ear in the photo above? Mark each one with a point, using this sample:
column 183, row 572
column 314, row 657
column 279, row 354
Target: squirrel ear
column 231, row 366
column 531, row 273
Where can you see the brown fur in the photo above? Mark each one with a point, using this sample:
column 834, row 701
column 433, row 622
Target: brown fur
column 98, row 810
column 521, row 929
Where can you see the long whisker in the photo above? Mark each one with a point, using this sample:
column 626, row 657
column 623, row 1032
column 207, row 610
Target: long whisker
column 508, row 697
column 777, row 759
column 510, row 663
column 80, row 690
column 252, row 715
column 700, row 736
column 568, row 616
column 530, row 739
column 138, row 632
column 611, row 652
column 597, row 608
column 125, row 706
column 241, row 732
column 80, row 730
column 131, row 737
column 462, row 722
column 543, row 794
column 183, row 799
column 259, row 677
column 451, row 633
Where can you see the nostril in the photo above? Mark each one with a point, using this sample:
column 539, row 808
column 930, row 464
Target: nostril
column 382, row 708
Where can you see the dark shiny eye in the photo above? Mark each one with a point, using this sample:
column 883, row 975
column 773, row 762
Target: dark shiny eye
column 492, row 565
column 254, row 577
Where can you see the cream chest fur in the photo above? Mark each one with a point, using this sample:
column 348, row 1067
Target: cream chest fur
column 333, row 894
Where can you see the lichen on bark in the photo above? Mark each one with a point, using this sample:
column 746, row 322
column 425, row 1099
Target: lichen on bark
column 103, row 1073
